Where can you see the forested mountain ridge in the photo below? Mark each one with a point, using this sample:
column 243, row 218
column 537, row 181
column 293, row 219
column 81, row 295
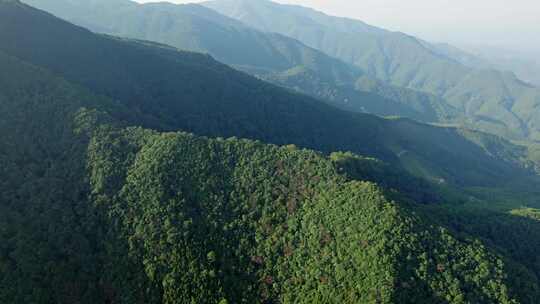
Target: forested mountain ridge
column 273, row 57
column 187, row 91
column 96, row 209
column 493, row 101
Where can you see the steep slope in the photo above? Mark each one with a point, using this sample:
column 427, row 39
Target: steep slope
column 367, row 95
column 403, row 61
column 389, row 55
column 96, row 213
column 185, row 91
column 273, row 57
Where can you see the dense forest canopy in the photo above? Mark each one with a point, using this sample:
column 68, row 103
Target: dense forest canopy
column 104, row 197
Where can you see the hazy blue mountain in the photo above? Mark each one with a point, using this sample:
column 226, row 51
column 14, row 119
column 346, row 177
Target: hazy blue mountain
column 526, row 66
column 273, row 57
column 497, row 102
column 457, row 54
column 528, row 70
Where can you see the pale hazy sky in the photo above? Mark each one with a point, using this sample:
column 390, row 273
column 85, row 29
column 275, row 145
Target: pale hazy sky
column 513, row 24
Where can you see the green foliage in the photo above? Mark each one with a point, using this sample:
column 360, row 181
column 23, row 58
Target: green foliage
column 212, row 219
column 514, row 235
column 48, row 230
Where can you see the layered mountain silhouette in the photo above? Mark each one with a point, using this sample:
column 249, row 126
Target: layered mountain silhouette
column 187, row 91
column 348, row 63
column 273, row 57
column 493, row 101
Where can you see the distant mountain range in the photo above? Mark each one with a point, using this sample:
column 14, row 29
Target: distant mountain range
column 526, row 66
column 345, row 62
column 270, row 56
column 493, row 101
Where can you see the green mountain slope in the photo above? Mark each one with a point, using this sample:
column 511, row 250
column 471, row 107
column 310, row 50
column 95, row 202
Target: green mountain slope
column 96, row 209
column 273, row 57
column 186, row 91
column 493, row 101
column 135, row 216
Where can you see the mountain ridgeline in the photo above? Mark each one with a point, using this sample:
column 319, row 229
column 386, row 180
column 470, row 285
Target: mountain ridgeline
column 371, row 70
column 493, row 101
column 272, row 57
column 105, row 197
